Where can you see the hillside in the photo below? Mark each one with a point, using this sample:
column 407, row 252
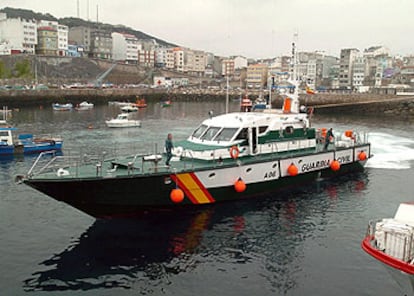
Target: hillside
column 74, row 22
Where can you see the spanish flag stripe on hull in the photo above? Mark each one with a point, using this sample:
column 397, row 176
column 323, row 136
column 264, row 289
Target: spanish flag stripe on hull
column 193, row 188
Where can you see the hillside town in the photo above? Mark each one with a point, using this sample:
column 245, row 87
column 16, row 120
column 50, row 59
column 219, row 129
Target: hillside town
column 372, row 70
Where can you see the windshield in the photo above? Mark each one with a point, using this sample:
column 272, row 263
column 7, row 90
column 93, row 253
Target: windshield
column 226, row 134
column 199, row 131
column 210, row 133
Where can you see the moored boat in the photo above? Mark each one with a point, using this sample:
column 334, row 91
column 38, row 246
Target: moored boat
column 129, row 108
column 84, row 106
column 26, row 143
column 166, row 103
column 62, row 107
column 122, row 120
column 227, row 158
column 140, row 103
column 391, row 242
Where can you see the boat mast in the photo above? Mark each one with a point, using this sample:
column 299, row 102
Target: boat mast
column 293, row 94
column 227, row 93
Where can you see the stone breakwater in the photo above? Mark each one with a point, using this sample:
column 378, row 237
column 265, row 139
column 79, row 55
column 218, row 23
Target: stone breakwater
column 323, row 103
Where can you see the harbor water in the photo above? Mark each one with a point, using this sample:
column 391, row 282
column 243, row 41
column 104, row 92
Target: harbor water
column 302, row 241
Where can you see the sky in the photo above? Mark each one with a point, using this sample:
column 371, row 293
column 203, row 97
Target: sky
column 253, row 29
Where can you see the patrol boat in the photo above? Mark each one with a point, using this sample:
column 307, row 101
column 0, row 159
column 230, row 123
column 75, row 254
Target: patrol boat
column 227, row 158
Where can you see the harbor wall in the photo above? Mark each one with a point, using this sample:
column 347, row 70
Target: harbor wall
column 322, row 103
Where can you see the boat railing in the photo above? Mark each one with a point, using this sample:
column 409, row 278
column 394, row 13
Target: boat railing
column 49, row 161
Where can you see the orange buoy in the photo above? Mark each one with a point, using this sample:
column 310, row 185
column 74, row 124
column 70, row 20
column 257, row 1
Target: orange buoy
column 239, row 185
column 234, row 152
column 362, row 155
column 335, row 165
column 292, row 170
column 177, row 195
column 349, row 133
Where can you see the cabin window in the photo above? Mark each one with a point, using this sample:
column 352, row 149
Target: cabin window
column 262, row 129
column 289, row 130
column 210, row 133
column 199, row 131
column 242, row 135
column 4, row 134
column 226, row 134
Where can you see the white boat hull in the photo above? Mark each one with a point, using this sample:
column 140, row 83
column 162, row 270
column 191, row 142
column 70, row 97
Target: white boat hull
column 130, row 123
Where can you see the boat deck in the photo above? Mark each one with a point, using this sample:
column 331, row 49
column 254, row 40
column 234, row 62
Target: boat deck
column 143, row 164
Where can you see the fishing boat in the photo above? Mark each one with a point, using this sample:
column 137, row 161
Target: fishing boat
column 122, row 120
column 84, row 106
column 391, row 242
column 62, row 107
column 228, row 157
column 25, row 143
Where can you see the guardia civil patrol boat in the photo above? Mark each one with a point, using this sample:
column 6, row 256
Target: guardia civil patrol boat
column 227, row 158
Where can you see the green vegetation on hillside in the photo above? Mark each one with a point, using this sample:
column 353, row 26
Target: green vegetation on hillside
column 22, row 69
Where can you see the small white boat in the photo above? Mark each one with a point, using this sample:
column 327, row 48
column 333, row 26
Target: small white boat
column 62, row 107
column 391, row 241
column 84, row 106
column 122, row 120
column 129, row 108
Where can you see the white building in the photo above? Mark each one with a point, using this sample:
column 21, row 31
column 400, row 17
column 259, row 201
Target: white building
column 20, row 34
column 195, row 62
column 161, row 57
column 125, row 47
column 358, row 73
column 175, row 59
column 240, row 62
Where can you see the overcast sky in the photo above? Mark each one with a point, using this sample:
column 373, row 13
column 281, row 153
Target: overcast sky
column 254, row 29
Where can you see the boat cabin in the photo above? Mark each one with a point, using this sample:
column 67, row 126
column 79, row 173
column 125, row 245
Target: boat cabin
column 252, row 133
column 6, row 136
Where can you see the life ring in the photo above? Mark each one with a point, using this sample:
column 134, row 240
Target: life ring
column 178, row 151
column 234, row 152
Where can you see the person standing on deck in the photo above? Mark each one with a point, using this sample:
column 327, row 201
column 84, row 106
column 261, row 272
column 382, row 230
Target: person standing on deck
column 168, row 148
column 329, row 137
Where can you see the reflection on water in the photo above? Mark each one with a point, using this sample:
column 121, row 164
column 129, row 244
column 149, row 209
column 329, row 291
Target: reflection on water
column 258, row 241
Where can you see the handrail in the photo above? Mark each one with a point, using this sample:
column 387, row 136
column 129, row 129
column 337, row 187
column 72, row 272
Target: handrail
column 38, row 159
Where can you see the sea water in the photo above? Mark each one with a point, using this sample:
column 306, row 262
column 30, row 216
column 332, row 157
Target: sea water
column 296, row 242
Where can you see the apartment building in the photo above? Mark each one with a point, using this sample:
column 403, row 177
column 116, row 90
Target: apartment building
column 346, row 62
column 101, row 44
column 62, row 35
column 147, row 57
column 227, row 67
column 18, row 35
column 175, row 59
column 80, row 36
column 195, row 62
column 256, row 76
column 161, row 57
column 358, row 73
column 47, row 41
column 125, row 47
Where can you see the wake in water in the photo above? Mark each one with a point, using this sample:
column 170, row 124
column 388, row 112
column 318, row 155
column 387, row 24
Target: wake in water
column 390, row 152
